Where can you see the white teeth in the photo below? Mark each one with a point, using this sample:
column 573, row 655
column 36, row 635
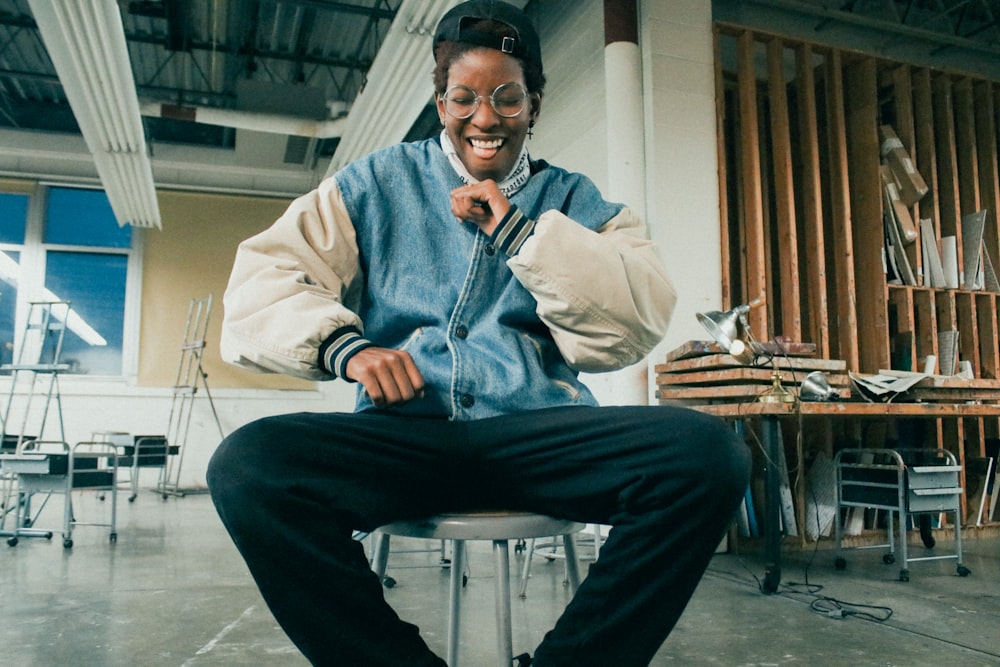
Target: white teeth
column 480, row 143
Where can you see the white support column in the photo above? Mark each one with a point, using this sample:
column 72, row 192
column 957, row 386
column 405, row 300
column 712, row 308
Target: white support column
column 626, row 160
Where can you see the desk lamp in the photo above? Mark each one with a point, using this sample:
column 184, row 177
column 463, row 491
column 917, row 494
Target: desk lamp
column 731, row 331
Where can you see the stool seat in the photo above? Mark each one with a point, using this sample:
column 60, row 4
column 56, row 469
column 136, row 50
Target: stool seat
column 497, row 526
column 485, row 525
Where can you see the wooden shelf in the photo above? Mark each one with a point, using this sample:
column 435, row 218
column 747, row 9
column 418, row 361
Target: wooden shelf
column 802, row 207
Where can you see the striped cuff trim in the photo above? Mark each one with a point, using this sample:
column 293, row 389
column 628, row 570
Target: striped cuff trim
column 512, row 231
column 338, row 349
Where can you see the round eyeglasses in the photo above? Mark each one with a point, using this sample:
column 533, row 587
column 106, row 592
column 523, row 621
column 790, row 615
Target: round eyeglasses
column 508, row 100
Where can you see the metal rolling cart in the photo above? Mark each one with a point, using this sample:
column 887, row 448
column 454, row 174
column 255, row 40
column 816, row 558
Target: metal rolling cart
column 34, row 377
column 907, row 483
column 49, row 467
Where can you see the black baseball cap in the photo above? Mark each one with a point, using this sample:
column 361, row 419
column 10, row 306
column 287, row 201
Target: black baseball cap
column 457, row 25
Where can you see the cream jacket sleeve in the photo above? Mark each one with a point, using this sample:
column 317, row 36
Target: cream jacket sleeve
column 604, row 295
column 292, row 286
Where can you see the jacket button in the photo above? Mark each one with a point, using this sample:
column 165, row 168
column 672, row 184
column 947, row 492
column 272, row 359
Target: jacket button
column 467, row 400
column 462, row 331
column 489, row 249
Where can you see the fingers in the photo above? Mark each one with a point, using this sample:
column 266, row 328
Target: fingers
column 389, row 376
column 480, row 203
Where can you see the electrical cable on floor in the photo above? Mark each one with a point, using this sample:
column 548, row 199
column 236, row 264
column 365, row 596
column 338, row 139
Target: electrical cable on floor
column 829, row 606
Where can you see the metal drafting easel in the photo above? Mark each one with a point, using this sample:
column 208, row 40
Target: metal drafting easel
column 189, row 375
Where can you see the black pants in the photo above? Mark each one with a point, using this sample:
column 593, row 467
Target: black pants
column 291, row 489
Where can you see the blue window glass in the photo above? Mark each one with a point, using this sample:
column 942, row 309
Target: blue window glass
column 94, row 284
column 13, row 214
column 83, row 217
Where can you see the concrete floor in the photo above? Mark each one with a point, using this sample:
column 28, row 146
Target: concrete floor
column 173, row 592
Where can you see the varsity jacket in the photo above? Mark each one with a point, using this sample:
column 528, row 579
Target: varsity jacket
column 496, row 324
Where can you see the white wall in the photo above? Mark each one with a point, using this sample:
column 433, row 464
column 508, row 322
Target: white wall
column 682, row 166
column 571, row 129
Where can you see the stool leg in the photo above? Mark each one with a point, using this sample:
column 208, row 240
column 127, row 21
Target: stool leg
column 572, row 562
column 505, row 647
column 380, row 554
column 457, row 572
column 526, row 570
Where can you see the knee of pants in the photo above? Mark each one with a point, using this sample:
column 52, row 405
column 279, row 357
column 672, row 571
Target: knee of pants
column 725, row 457
column 236, row 463
column 733, row 463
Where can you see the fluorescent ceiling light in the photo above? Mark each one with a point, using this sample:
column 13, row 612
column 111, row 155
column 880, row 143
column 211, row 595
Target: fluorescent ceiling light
column 86, row 42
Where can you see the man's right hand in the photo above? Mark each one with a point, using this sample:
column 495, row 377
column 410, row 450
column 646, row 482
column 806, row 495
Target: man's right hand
column 389, row 376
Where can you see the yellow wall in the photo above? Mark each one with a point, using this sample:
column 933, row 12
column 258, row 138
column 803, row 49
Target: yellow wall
column 18, row 187
column 190, row 258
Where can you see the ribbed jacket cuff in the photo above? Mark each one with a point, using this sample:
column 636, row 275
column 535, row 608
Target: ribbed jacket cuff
column 338, row 349
column 512, row 231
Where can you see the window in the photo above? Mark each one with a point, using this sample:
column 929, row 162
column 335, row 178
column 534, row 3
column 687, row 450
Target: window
column 64, row 244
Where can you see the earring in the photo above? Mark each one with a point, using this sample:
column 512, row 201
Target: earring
column 531, row 124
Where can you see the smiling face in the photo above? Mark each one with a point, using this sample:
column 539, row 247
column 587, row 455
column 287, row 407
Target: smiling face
column 487, row 143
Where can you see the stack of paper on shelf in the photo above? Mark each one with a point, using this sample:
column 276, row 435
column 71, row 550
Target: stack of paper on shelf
column 908, row 386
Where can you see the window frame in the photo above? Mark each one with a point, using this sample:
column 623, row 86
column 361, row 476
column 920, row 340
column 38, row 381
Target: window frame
column 33, row 259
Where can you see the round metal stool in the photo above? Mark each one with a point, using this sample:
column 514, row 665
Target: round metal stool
column 498, row 527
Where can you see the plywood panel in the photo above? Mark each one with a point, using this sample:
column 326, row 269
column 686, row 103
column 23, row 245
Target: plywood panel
column 861, row 121
column 947, row 159
column 966, row 153
column 989, row 337
column 842, row 288
column 987, row 147
column 721, row 153
column 786, row 241
column 816, row 321
column 750, row 173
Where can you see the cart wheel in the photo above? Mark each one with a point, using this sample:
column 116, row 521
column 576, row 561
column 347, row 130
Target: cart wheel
column 904, row 575
column 67, row 543
column 113, row 538
column 12, row 541
column 963, row 571
column 840, row 564
column 388, row 582
column 889, row 559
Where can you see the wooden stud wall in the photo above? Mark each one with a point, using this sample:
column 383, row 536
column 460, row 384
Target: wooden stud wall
column 802, row 204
